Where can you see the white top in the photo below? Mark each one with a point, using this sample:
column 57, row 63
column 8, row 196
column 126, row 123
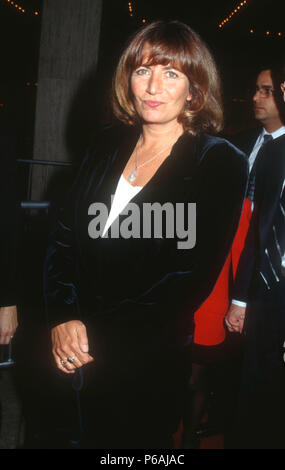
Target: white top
column 125, row 192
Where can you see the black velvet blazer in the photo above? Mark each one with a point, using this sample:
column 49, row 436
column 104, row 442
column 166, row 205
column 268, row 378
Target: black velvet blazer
column 142, row 290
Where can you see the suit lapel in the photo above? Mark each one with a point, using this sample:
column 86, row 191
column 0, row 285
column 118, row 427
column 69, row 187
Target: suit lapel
column 271, row 178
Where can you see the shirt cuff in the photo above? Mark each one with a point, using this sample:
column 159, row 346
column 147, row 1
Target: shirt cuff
column 238, row 303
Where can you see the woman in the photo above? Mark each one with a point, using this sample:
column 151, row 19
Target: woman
column 116, row 293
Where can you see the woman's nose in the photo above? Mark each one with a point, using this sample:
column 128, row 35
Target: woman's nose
column 154, row 83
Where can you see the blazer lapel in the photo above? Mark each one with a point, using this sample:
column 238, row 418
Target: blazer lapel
column 119, row 154
column 170, row 176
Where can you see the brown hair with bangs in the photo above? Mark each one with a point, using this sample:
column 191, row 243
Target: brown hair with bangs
column 176, row 44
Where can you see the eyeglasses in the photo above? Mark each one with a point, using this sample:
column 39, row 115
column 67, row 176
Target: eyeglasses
column 264, row 91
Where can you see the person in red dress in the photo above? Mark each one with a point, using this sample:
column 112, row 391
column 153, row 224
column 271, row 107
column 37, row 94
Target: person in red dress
column 209, row 335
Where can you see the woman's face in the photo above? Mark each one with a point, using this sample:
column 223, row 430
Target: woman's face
column 160, row 92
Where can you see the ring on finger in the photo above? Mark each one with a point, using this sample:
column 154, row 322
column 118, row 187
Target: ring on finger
column 71, row 359
column 62, row 362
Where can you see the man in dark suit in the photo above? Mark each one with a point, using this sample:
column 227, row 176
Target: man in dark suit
column 268, row 113
column 258, row 308
column 8, row 238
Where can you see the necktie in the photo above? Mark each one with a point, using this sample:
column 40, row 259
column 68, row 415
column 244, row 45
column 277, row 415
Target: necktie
column 251, row 183
column 273, row 267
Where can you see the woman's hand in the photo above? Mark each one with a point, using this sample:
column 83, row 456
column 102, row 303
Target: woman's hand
column 70, row 346
column 8, row 323
column 234, row 319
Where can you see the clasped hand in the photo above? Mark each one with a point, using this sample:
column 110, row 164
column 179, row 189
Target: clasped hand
column 234, row 319
column 70, row 346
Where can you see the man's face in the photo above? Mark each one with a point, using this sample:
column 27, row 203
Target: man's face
column 265, row 109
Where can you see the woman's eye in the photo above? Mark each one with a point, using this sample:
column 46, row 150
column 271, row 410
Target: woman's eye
column 141, row 71
column 171, row 74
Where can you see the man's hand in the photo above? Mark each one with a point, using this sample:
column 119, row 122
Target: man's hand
column 234, row 319
column 8, row 323
column 70, row 346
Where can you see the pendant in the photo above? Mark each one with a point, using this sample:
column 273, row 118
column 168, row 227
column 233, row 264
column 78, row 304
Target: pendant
column 132, row 176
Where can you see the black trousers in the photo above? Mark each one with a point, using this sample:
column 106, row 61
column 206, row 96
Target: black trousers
column 134, row 407
column 261, row 411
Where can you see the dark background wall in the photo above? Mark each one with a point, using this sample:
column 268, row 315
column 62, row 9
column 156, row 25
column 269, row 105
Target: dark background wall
column 238, row 52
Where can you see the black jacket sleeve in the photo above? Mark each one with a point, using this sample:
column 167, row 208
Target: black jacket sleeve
column 60, row 272
column 249, row 263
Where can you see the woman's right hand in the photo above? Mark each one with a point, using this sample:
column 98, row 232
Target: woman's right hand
column 70, row 346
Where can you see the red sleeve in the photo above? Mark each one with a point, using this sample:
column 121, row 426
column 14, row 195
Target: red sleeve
column 209, row 318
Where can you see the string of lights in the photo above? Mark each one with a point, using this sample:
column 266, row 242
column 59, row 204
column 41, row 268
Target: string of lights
column 16, row 6
column 20, row 8
column 131, row 11
column 233, row 13
column 252, row 31
column 269, row 34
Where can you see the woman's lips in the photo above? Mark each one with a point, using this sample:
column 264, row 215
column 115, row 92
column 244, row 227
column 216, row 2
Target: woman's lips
column 153, row 104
